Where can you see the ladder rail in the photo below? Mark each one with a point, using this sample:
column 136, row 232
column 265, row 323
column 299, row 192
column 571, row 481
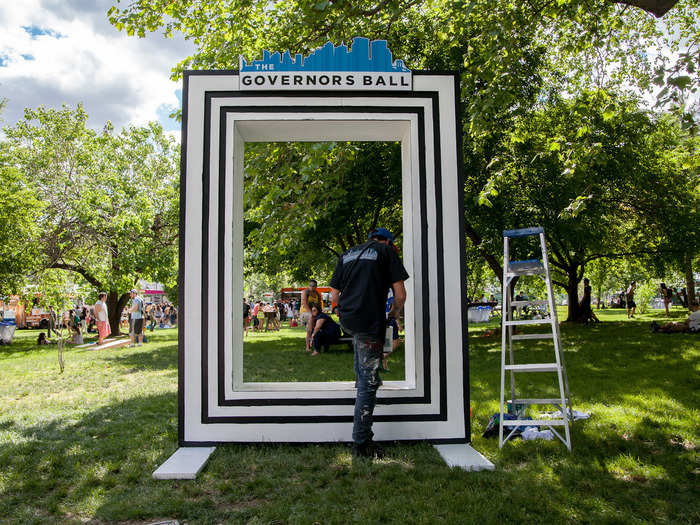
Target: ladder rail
column 561, row 370
column 504, row 316
column 566, row 394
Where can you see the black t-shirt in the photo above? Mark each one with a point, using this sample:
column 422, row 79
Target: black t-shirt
column 329, row 326
column 364, row 274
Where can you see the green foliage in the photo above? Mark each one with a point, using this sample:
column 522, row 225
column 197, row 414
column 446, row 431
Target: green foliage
column 643, row 296
column 501, row 48
column 306, row 203
column 109, row 201
column 19, row 229
column 599, row 174
column 591, row 169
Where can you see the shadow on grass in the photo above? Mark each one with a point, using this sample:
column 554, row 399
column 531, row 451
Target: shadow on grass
column 99, row 467
column 145, row 358
column 606, row 363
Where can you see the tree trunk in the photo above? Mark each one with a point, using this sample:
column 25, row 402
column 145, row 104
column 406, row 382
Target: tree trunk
column 572, row 293
column 689, row 279
column 115, row 305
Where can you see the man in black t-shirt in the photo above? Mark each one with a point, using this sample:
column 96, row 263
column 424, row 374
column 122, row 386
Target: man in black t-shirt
column 360, row 285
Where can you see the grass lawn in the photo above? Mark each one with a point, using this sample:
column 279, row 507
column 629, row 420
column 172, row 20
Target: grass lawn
column 81, row 446
column 280, row 356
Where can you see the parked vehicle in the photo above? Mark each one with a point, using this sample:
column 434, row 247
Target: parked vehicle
column 38, row 318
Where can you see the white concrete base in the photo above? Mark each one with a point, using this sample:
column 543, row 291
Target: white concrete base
column 185, row 463
column 464, row 456
column 108, row 343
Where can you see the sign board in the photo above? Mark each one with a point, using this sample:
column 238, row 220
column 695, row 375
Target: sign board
column 364, row 66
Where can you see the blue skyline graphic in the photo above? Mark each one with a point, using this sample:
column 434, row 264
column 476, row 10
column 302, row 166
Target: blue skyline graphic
column 363, row 56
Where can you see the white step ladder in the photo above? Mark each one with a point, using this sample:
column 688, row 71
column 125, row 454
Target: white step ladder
column 517, row 405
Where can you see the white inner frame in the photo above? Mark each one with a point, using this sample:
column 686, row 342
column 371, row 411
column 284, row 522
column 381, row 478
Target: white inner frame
column 239, row 130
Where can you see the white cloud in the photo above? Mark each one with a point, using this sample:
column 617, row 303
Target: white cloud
column 71, row 54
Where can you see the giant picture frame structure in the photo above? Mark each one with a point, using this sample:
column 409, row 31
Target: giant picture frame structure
column 215, row 404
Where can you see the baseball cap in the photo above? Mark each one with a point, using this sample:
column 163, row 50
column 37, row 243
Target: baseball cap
column 382, row 233
column 133, row 290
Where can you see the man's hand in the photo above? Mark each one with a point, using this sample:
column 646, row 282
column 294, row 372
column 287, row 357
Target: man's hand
column 399, row 290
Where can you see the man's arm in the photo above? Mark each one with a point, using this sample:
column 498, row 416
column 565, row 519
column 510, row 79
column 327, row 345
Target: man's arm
column 305, row 299
column 399, row 290
column 335, row 296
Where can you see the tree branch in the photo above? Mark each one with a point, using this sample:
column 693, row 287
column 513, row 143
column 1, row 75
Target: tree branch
column 325, row 245
column 619, row 255
column 656, row 7
column 490, row 259
column 77, row 269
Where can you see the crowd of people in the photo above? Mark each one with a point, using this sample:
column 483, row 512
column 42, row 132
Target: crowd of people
column 268, row 316
column 137, row 315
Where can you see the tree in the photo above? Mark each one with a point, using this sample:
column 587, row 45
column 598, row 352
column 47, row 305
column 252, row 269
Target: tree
column 584, row 43
column 56, row 290
column 19, row 233
column 109, row 201
column 595, row 172
column 511, row 56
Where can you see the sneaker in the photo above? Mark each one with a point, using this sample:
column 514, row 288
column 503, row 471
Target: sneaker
column 368, row 449
column 132, row 345
column 140, row 344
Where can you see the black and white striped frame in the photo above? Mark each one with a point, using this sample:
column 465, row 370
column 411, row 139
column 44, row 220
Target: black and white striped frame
column 215, row 404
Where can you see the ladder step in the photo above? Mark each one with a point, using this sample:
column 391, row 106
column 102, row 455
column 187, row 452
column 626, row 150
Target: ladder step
column 533, row 367
column 519, row 272
column 536, row 401
column 530, row 303
column 528, row 321
column 532, row 336
column 523, row 232
column 532, row 422
column 529, row 267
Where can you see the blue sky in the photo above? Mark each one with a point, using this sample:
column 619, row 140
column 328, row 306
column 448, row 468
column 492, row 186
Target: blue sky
column 55, row 52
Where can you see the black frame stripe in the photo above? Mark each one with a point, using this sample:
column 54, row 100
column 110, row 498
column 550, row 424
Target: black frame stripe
column 426, row 399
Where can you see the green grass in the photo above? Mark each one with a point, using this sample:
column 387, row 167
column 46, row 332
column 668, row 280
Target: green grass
column 280, row 356
column 81, row 446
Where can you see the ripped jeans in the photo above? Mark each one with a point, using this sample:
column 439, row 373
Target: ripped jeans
column 368, row 359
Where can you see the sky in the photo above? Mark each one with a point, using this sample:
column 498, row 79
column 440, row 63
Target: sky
column 55, row 52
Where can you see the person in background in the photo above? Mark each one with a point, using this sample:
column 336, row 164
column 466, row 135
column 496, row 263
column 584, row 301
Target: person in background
column 324, row 332
column 257, row 324
column 309, row 297
column 52, row 321
column 395, row 328
column 83, row 319
column 246, row 318
column 690, row 325
column 136, row 311
column 587, row 313
column 151, row 316
column 684, row 297
column 629, row 297
column 666, row 296
column 77, row 338
column 103, row 328
column 42, row 340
